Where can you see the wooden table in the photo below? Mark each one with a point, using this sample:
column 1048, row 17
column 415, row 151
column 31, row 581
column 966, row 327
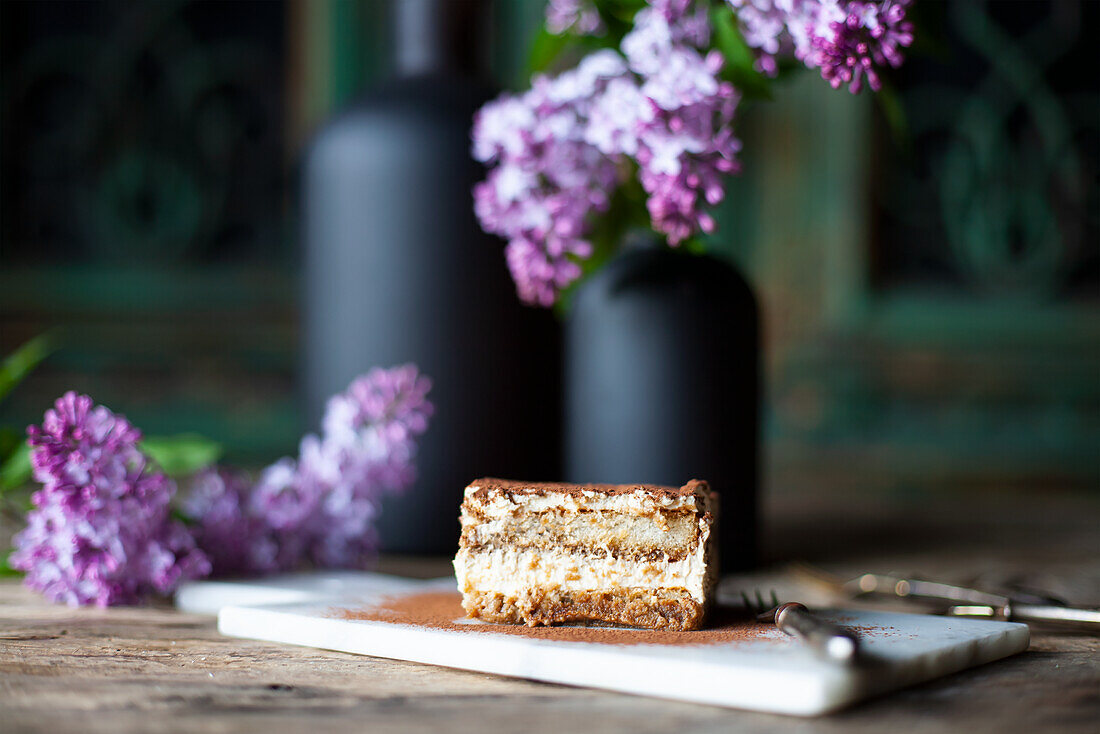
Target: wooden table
column 143, row 669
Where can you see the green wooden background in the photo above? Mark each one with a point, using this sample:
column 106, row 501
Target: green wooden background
column 874, row 377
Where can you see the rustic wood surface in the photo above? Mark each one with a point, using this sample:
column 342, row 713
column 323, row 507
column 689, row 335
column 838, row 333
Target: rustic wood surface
column 143, row 669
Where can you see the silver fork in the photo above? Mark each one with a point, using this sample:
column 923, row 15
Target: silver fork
column 828, row 640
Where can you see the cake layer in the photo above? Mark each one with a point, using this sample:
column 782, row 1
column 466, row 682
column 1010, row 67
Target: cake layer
column 511, row 571
column 491, row 498
column 659, row 535
column 671, row 609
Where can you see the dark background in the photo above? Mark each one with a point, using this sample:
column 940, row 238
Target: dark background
column 931, row 288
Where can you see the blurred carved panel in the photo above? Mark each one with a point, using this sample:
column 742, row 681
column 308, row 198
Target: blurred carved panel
column 952, row 339
column 145, row 132
column 993, row 190
column 144, row 211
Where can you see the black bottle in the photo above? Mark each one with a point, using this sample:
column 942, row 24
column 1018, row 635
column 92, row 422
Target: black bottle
column 662, row 383
column 397, row 270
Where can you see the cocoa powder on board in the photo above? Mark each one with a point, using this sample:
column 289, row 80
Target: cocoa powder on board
column 442, row 610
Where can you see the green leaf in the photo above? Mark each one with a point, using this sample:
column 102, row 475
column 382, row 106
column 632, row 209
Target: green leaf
column 695, row 245
column 553, row 53
column 889, row 103
column 621, row 11
column 10, row 438
column 625, row 216
column 550, row 51
column 546, row 48
column 183, row 453
column 178, row 515
column 23, row 360
column 16, row 469
column 740, row 69
column 6, row 571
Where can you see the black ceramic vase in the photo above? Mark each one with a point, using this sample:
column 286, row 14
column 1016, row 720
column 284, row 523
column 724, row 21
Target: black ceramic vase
column 662, row 383
column 397, row 270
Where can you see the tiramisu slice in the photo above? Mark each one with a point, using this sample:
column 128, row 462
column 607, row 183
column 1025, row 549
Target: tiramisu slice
column 628, row 554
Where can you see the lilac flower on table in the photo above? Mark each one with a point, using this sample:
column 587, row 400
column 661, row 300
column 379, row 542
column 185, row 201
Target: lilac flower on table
column 287, row 495
column 321, row 507
column 365, row 453
column 393, row 403
column 100, row 531
column 236, row 540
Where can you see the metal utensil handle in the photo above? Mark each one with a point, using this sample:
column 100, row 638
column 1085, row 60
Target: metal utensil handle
column 1087, row 620
column 829, row 640
column 920, row 590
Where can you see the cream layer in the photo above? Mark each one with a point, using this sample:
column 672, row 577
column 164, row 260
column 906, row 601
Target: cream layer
column 513, row 572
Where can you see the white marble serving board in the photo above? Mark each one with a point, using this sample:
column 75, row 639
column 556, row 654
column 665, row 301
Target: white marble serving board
column 209, row 597
column 773, row 673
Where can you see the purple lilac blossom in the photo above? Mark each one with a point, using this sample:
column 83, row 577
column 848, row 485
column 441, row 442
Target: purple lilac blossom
column 784, row 27
column 672, row 10
column 685, row 147
column 546, row 178
column 763, row 24
column 321, row 508
column 236, row 540
column 870, row 37
column 100, row 531
column 847, row 40
column 393, row 401
column 284, row 497
column 577, row 16
column 556, row 152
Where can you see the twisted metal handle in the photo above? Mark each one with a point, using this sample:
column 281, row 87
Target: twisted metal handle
column 829, row 640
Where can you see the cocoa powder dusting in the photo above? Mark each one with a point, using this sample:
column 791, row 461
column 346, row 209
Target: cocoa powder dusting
column 510, row 487
column 442, row 610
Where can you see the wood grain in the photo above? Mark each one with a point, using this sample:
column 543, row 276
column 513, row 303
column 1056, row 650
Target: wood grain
column 142, row 669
